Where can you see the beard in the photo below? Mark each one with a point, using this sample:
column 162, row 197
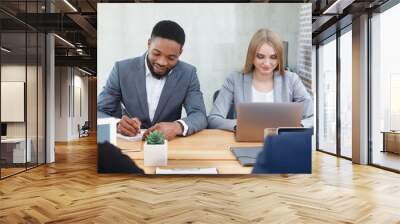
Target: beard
column 153, row 73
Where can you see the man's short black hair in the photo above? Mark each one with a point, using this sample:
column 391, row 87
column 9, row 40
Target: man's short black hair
column 170, row 30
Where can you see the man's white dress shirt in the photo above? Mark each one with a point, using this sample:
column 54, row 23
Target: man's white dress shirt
column 154, row 88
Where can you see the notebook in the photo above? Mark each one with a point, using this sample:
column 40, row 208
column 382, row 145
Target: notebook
column 246, row 155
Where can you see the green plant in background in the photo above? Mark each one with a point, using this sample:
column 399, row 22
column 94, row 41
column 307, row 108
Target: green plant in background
column 155, row 138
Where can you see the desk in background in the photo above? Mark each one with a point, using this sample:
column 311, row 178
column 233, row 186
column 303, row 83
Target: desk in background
column 208, row 148
column 13, row 150
column 391, row 141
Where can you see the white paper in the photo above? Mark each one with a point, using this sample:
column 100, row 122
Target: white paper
column 108, row 120
column 136, row 138
column 211, row 170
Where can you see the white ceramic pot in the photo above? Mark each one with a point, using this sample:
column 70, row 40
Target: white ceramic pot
column 156, row 155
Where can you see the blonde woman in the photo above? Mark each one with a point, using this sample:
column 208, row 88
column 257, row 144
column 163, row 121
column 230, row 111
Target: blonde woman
column 263, row 79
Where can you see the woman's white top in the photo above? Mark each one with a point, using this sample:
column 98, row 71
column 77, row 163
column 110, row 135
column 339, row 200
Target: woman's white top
column 262, row 97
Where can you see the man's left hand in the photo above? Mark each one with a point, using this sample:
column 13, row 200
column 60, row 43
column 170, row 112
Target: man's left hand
column 169, row 129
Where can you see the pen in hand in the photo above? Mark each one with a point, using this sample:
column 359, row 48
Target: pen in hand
column 128, row 126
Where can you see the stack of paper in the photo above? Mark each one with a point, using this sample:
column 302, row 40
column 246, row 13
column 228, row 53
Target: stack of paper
column 136, row 138
column 211, row 170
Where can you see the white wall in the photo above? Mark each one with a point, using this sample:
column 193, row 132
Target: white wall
column 33, row 126
column 67, row 115
column 61, row 96
column 80, row 84
column 217, row 35
column 12, row 73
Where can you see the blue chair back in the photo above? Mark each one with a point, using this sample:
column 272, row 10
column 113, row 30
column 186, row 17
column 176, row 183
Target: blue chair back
column 288, row 152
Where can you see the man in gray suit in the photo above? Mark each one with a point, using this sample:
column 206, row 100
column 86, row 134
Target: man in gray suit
column 149, row 91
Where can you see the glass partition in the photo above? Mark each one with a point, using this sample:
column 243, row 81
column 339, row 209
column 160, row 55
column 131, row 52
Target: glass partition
column 41, row 96
column 31, row 97
column 22, row 87
column 13, row 86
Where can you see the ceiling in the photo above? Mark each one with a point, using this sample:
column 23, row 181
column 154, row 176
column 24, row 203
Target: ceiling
column 332, row 15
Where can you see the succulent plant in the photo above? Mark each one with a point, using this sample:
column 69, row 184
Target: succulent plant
column 155, row 138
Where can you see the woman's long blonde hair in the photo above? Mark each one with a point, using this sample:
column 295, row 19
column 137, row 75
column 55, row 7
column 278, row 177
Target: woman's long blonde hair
column 259, row 38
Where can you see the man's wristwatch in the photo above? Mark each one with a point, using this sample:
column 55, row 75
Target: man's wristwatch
column 182, row 128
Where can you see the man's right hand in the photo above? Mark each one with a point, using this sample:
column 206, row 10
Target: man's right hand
column 128, row 126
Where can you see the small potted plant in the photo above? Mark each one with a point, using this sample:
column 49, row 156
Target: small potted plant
column 155, row 149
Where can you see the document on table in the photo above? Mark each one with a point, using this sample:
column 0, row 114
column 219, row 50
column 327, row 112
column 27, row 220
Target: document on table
column 136, row 138
column 209, row 170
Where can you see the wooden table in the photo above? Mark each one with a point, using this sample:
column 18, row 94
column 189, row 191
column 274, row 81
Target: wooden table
column 208, row 148
column 391, row 141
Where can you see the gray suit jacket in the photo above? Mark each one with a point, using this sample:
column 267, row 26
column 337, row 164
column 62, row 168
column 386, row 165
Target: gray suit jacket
column 127, row 84
column 237, row 89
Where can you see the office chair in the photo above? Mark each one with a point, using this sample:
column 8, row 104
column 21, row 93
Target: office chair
column 84, row 130
column 287, row 152
column 231, row 111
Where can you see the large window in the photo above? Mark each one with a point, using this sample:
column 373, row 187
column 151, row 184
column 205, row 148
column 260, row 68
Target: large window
column 335, row 74
column 327, row 97
column 385, row 89
column 346, row 93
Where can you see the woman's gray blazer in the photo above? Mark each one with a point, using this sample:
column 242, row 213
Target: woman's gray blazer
column 237, row 89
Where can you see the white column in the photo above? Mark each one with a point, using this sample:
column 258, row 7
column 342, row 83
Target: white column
column 50, row 101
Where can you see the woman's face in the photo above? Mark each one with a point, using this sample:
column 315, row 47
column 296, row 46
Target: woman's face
column 265, row 60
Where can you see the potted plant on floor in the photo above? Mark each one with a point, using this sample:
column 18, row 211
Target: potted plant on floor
column 155, row 149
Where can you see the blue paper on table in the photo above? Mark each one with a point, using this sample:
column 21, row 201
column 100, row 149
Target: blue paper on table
column 103, row 133
column 107, row 130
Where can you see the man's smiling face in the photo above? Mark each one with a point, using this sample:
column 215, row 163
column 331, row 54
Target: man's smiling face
column 163, row 55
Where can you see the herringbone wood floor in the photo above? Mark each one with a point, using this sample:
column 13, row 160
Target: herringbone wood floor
column 70, row 191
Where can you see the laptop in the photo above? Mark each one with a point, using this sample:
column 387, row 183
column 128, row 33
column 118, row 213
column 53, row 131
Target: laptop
column 253, row 118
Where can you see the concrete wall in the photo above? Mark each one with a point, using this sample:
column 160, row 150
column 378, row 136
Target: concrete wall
column 71, row 102
column 217, row 35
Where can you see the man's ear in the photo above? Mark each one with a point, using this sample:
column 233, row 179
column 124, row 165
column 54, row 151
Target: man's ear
column 180, row 52
column 148, row 43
